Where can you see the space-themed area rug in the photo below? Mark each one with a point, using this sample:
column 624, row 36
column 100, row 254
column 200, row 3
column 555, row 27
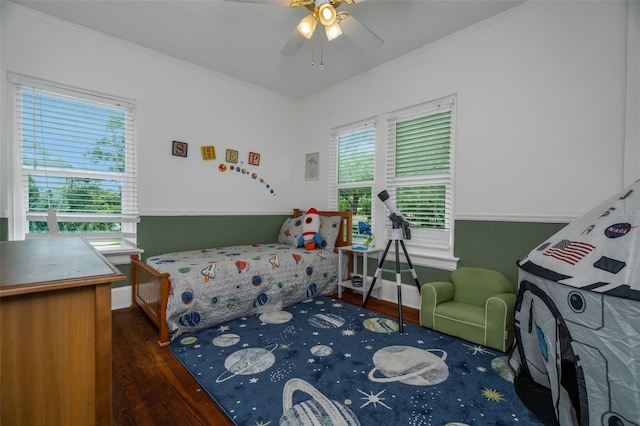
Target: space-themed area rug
column 326, row 362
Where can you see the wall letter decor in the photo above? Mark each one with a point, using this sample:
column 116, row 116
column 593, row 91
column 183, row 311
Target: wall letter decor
column 179, row 149
column 232, row 156
column 208, row 152
column 254, row 159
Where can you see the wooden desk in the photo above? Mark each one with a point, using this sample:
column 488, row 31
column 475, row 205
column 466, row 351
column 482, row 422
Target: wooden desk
column 55, row 333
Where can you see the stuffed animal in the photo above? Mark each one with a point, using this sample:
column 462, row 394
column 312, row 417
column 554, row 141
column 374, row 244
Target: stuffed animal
column 310, row 237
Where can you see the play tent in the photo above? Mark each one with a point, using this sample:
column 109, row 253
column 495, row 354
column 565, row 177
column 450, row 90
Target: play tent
column 577, row 354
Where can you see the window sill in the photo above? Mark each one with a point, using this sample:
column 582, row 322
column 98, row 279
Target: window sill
column 118, row 254
column 447, row 263
column 426, row 259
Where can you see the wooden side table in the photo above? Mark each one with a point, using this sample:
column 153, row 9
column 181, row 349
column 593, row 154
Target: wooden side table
column 55, row 333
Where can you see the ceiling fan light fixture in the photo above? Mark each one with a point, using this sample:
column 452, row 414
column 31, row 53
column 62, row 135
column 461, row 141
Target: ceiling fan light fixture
column 327, row 14
column 307, row 26
column 333, row 31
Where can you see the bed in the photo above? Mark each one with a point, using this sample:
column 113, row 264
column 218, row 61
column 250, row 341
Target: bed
column 185, row 291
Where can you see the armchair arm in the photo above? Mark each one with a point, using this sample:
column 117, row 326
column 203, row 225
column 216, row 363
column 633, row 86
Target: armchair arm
column 499, row 317
column 432, row 295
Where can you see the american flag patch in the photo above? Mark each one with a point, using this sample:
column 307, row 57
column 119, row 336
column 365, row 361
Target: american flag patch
column 569, row 251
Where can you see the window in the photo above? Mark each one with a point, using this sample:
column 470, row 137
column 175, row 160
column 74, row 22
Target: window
column 415, row 167
column 74, row 156
column 355, row 172
column 420, row 173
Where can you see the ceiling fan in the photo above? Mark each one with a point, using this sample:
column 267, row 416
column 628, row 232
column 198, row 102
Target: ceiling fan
column 335, row 23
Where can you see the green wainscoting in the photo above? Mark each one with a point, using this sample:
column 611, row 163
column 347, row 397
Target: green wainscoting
column 498, row 245
column 126, row 270
column 163, row 234
column 490, row 244
column 486, row 244
column 4, row 229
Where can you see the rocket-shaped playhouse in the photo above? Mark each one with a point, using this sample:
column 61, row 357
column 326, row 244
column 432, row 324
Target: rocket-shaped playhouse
column 577, row 354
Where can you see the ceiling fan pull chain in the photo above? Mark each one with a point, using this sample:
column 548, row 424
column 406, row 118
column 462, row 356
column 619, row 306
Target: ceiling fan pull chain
column 313, row 49
column 321, row 53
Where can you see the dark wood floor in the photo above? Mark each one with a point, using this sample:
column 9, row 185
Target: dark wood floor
column 151, row 387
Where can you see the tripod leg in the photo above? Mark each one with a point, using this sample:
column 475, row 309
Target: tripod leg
column 376, row 275
column 399, row 287
column 413, row 271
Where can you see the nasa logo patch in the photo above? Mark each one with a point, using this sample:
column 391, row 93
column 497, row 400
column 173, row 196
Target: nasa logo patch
column 618, row 230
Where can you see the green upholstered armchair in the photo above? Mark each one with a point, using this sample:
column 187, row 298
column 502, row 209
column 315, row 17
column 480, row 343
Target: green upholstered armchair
column 476, row 305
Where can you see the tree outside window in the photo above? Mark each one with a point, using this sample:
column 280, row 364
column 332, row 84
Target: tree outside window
column 77, row 158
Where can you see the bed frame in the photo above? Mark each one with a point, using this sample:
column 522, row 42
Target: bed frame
column 150, row 288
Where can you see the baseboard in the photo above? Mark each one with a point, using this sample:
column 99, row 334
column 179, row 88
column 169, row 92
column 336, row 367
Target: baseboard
column 120, row 297
column 410, row 294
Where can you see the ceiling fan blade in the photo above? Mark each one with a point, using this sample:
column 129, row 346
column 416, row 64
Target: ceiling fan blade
column 360, row 34
column 293, row 44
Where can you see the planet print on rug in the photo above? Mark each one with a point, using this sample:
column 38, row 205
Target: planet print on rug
column 319, row 410
column 326, row 321
column 321, row 350
column 381, row 325
column 324, row 362
column 276, row 317
column 226, row 340
column 410, row 365
column 248, row 361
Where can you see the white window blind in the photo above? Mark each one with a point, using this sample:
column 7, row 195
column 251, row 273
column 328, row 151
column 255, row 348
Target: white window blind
column 420, row 172
column 77, row 157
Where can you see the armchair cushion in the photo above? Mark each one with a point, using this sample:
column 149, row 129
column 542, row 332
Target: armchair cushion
column 475, row 285
column 477, row 305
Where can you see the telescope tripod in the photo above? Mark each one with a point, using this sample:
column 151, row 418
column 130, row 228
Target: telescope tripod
column 397, row 238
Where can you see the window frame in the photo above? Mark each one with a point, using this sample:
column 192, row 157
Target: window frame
column 126, row 238
column 426, row 247
column 421, row 254
column 335, row 186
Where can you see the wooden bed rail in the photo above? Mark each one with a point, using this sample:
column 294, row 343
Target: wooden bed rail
column 150, row 292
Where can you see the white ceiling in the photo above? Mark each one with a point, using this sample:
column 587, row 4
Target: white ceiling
column 243, row 39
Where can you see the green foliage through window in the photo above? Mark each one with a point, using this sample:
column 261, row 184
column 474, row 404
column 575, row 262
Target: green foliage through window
column 424, row 207
column 77, row 158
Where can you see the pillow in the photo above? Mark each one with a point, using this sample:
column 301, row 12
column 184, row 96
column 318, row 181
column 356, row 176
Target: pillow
column 290, row 231
column 329, row 228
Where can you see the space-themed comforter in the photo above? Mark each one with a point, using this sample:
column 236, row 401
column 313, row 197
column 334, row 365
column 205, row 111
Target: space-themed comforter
column 211, row 286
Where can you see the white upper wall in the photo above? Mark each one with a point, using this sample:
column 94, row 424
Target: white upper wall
column 540, row 109
column 540, row 112
column 175, row 101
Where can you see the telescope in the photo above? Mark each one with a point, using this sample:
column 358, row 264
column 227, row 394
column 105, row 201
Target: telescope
column 397, row 220
column 399, row 230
